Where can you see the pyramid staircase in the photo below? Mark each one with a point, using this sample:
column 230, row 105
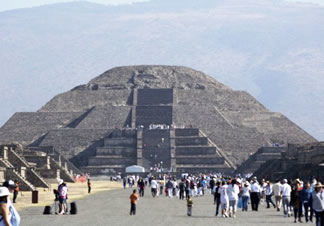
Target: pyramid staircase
column 194, row 153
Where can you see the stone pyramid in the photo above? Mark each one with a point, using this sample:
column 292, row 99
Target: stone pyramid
column 204, row 120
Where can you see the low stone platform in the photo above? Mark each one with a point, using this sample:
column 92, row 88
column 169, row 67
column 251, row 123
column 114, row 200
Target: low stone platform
column 112, row 208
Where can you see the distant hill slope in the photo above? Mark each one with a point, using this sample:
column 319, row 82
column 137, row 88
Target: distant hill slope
column 272, row 49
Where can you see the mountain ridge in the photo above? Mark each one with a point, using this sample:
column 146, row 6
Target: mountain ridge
column 246, row 48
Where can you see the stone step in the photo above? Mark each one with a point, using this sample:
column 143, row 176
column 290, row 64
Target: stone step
column 195, row 150
column 200, row 160
column 129, row 152
column 105, row 166
column 120, row 142
column 105, row 169
column 108, row 161
column 187, row 132
column 199, row 166
column 197, row 156
column 266, row 157
column 182, row 141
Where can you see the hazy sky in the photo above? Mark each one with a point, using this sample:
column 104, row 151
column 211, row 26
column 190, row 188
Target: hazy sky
column 14, row 4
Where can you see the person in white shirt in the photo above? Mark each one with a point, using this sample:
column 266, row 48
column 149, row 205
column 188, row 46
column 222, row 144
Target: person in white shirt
column 224, row 198
column 154, row 187
column 245, row 196
column 276, row 193
column 285, row 191
column 269, row 193
column 233, row 190
column 255, row 195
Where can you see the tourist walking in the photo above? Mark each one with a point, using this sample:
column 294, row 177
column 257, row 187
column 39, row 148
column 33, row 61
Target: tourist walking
column 187, row 182
column 285, row 191
column 16, row 191
column 317, row 199
column 124, row 182
column 255, row 195
column 130, row 182
column 233, row 190
column 217, row 197
column 161, row 182
column 305, row 196
column 133, row 199
column 89, row 186
column 269, row 193
column 277, row 195
column 295, row 201
column 182, row 186
column 153, row 187
column 169, row 187
column 224, row 199
column 245, row 196
column 141, row 187
column 15, row 217
column 189, row 206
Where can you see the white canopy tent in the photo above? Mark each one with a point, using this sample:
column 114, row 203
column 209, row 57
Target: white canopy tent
column 135, row 169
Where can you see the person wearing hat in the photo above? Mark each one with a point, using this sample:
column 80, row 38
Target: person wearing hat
column 5, row 215
column 62, row 190
column 295, row 200
column 15, row 217
column 285, row 191
column 317, row 199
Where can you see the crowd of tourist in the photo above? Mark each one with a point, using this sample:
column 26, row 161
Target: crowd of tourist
column 295, row 198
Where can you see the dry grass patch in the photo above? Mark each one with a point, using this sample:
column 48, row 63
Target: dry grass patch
column 76, row 191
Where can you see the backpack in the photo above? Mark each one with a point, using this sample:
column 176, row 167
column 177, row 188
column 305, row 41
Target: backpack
column 74, row 209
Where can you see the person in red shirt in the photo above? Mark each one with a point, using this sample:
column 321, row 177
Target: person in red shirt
column 16, row 190
column 133, row 198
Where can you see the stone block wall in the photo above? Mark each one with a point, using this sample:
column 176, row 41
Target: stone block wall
column 154, row 96
column 107, row 160
column 146, row 115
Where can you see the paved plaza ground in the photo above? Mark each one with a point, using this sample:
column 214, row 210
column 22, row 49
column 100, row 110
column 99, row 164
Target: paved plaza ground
column 112, row 208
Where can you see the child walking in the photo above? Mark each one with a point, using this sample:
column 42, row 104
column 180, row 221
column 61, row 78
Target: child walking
column 133, row 198
column 189, row 206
